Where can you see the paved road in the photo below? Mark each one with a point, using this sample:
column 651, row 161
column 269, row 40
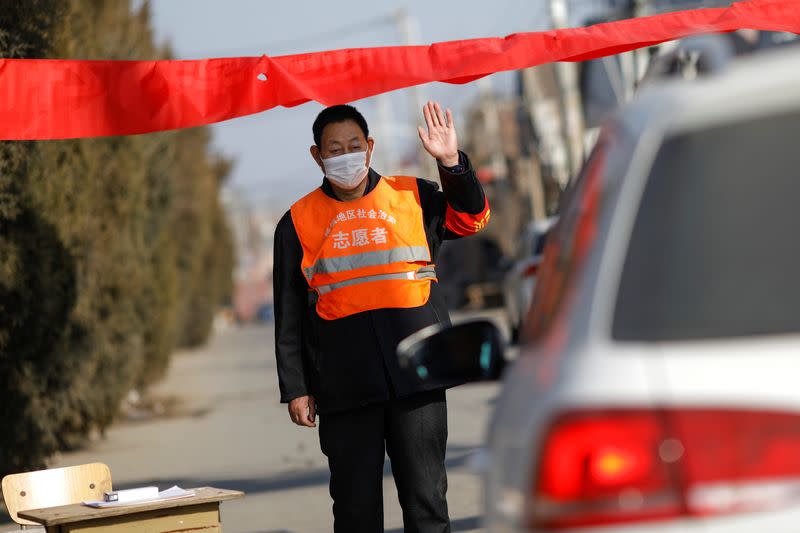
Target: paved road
column 230, row 432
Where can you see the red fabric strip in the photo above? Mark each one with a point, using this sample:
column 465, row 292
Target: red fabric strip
column 53, row 99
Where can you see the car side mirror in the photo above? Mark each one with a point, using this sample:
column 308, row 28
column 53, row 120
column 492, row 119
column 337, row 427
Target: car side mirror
column 467, row 352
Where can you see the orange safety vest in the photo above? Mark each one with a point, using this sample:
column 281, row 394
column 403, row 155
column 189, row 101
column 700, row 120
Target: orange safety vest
column 365, row 254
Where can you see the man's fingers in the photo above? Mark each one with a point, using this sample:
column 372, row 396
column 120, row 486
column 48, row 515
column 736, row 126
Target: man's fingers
column 301, row 418
column 431, row 114
column 312, row 409
column 421, row 132
column 434, row 114
column 304, row 420
column 428, row 120
column 439, row 115
column 449, row 118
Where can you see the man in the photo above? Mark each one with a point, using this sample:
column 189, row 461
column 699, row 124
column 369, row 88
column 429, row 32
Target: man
column 354, row 275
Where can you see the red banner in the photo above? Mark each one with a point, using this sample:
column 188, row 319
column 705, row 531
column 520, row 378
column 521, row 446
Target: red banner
column 56, row 99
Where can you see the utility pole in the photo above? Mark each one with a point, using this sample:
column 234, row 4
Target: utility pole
column 641, row 8
column 633, row 64
column 536, row 109
column 491, row 118
column 571, row 113
column 408, row 28
column 383, row 158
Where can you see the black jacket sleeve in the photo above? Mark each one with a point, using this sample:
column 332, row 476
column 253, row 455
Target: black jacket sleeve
column 461, row 190
column 290, row 295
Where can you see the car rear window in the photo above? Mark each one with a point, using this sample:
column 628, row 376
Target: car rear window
column 715, row 250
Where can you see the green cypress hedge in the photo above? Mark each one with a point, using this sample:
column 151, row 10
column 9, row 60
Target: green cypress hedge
column 113, row 251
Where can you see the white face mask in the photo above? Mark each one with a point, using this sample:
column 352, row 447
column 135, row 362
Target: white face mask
column 346, row 171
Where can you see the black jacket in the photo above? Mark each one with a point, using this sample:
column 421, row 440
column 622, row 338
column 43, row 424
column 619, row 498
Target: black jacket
column 351, row 361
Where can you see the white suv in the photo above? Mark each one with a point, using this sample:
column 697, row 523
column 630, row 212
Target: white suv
column 659, row 386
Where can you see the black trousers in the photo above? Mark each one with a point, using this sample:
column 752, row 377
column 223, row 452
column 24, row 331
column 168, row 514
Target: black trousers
column 413, row 431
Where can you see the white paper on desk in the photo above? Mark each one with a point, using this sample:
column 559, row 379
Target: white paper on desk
column 172, row 493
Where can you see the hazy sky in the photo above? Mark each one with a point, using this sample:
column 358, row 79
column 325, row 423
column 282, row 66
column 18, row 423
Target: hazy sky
column 271, row 148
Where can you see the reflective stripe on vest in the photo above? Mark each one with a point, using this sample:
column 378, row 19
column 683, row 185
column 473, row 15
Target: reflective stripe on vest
column 330, row 265
column 368, row 253
column 422, row 273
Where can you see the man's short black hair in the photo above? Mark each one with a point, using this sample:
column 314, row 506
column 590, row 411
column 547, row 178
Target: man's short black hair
column 338, row 113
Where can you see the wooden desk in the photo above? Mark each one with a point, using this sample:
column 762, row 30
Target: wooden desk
column 199, row 513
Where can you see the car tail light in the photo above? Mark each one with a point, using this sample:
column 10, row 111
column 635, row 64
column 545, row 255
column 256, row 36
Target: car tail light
column 530, row 270
column 614, row 466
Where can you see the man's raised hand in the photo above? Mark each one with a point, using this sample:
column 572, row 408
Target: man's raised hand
column 440, row 138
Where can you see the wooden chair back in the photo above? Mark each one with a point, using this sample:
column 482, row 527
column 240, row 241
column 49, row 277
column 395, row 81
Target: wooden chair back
column 54, row 487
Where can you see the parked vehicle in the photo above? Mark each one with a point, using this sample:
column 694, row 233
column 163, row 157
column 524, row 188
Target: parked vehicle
column 658, row 391
column 520, row 280
column 265, row 313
